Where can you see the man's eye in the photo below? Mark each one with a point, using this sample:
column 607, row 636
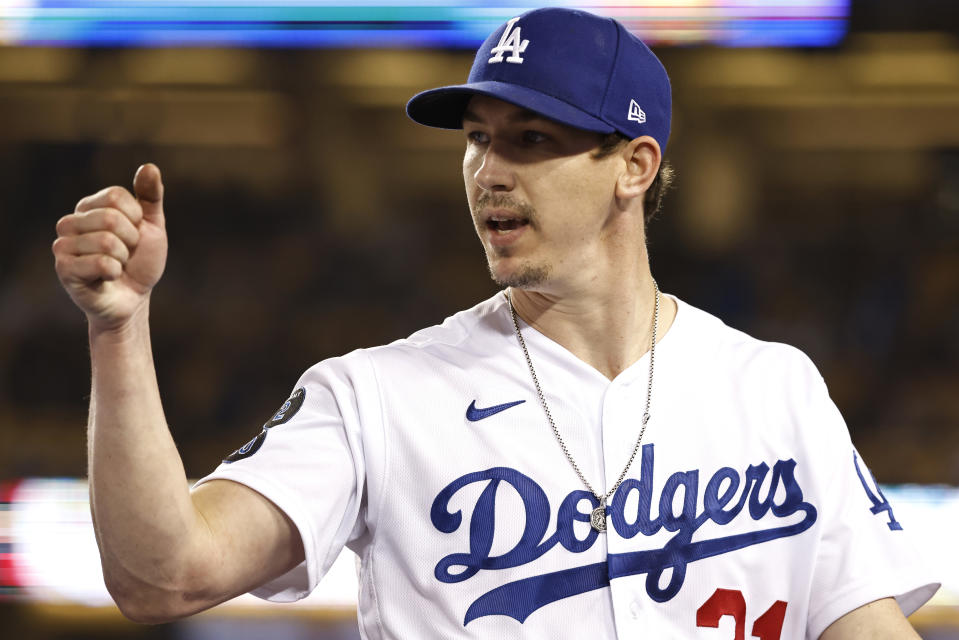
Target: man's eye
column 534, row 137
column 476, row 137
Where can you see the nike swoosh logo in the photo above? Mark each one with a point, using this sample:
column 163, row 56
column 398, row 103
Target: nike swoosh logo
column 474, row 415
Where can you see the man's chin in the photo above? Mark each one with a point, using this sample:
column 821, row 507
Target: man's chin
column 523, row 276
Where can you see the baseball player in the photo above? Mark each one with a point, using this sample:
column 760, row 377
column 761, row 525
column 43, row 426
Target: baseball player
column 578, row 456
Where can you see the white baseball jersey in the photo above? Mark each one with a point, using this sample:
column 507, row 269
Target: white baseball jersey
column 432, row 459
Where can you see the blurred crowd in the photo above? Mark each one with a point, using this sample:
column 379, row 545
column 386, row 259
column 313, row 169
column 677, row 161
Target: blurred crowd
column 260, row 284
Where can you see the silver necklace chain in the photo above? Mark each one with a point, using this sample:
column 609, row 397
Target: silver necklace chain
column 598, row 516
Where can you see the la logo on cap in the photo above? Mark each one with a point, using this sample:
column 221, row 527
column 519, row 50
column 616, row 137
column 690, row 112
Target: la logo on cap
column 509, row 41
column 636, row 114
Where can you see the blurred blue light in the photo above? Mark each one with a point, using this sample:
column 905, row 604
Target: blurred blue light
column 366, row 23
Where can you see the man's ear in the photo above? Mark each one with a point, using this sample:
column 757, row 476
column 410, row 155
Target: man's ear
column 642, row 157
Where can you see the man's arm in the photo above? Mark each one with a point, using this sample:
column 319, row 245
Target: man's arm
column 879, row 620
column 166, row 552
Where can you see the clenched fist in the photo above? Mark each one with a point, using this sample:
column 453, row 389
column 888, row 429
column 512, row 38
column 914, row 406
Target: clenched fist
column 112, row 249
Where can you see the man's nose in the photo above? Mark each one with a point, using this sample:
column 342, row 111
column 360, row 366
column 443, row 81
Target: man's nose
column 495, row 172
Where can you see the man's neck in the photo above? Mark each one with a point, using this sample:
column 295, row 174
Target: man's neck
column 608, row 328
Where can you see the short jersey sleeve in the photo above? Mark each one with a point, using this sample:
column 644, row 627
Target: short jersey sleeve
column 865, row 552
column 308, row 461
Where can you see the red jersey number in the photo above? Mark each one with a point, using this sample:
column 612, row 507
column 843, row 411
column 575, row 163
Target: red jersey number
column 730, row 602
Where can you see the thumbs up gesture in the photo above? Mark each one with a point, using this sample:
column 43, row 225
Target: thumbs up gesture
column 111, row 251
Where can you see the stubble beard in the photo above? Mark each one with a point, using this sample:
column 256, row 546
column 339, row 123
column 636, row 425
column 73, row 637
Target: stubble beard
column 526, row 276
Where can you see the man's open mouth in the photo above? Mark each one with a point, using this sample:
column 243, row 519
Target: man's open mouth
column 504, row 225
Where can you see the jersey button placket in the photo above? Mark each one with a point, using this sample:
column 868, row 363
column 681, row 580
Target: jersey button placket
column 622, row 411
column 616, row 453
column 623, row 406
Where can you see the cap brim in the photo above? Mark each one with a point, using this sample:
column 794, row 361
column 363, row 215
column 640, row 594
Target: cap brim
column 444, row 107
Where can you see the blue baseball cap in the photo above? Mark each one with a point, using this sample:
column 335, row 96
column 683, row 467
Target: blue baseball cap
column 571, row 66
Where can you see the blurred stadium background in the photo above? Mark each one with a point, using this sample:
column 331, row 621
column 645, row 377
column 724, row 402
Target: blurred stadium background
column 817, row 203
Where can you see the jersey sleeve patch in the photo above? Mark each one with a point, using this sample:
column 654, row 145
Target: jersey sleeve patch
column 248, row 449
column 284, row 414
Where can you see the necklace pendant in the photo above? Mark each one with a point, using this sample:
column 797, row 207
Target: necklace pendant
column 597, row 519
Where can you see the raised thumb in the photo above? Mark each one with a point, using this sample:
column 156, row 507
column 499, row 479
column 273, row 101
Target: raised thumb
column 148, row 188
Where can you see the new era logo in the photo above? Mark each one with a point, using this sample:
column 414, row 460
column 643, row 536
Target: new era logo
column 512, row 41
column 636, row 114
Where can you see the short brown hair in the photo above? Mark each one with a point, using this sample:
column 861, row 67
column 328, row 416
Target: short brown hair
column 653, row 199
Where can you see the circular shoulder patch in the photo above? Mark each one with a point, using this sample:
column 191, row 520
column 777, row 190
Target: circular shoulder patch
column 283, row 414
column 248, row 449
column 288, row 410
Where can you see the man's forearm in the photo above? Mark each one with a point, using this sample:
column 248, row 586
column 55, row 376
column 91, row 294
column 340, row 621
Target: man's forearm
column 143, row 514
